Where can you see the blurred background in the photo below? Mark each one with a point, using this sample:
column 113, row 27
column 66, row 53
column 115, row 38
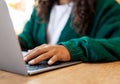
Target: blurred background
column 20, row 11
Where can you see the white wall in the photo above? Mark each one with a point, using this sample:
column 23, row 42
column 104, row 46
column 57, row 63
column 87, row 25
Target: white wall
column 20, row 11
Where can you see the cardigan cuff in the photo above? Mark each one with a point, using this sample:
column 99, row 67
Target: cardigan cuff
column 76, row 52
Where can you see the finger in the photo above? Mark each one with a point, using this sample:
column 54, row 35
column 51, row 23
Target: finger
column 29, row 51
column 36, row 48
column 35, row 52
column 53, row 60
column 42, row 57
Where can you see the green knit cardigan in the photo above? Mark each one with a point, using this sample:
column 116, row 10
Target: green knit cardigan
column 101, row 44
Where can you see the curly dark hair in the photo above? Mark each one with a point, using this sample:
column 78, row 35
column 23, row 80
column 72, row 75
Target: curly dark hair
column 82, row 13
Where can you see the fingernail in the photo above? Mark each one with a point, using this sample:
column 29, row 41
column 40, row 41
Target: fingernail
column 25, row 58
column 50, row 62
column 31, row 62
column 29, row 51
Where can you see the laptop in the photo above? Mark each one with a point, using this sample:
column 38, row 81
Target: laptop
column 11, row 57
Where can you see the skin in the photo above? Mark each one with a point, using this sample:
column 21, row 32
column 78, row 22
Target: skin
column 52, row 53
column 63, row 1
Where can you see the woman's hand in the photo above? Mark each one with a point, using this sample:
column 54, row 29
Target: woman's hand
column 52, row 52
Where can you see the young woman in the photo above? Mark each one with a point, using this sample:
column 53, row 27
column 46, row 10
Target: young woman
column 86, row 30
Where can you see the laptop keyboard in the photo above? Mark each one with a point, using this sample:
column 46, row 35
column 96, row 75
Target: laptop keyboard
column 40, row 65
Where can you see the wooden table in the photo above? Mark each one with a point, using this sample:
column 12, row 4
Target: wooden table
column 84, row 73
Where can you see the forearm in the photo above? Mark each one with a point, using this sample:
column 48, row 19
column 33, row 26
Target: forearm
column 88, row 49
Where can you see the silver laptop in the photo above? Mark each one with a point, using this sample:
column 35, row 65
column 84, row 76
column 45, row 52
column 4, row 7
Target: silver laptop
column 11, row 58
